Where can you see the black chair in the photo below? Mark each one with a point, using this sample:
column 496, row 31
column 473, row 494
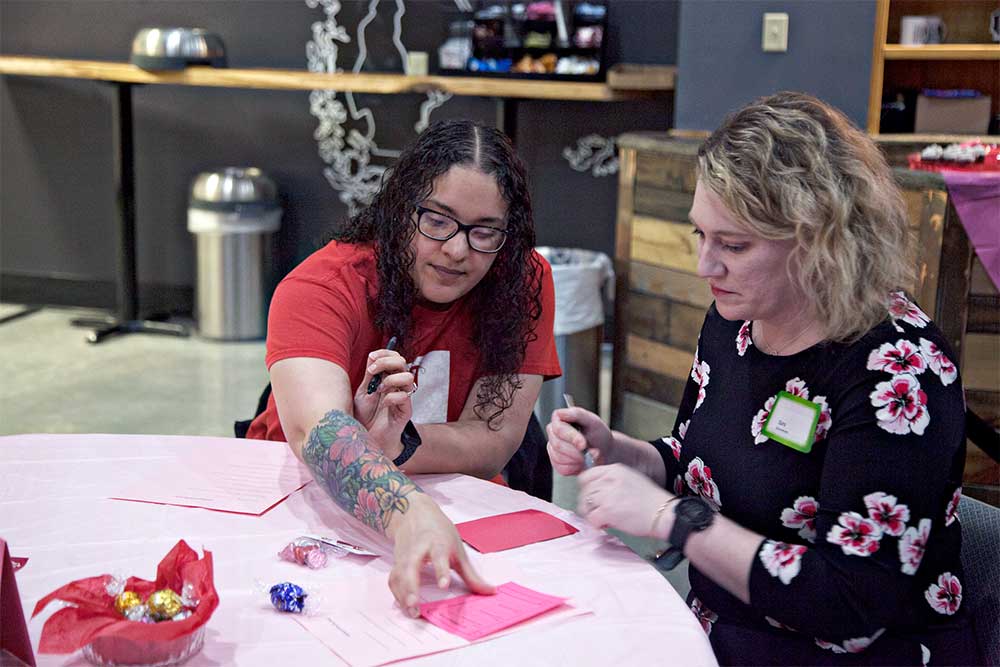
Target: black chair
column 980, row 551
column 241, row 427
column 529, row 470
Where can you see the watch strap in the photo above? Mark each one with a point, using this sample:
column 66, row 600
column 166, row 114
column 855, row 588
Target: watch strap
column 411, row 440
column 679, row 534
column 683, row 526
column 668, row 559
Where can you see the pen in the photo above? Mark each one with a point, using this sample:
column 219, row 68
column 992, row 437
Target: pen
column 588, row 458
column 377, row 380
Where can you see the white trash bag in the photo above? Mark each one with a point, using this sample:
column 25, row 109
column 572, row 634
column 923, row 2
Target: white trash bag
column 580, row 277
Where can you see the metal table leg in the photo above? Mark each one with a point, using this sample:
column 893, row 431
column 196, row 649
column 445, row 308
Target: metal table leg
column 24, row 312
column 506, row 118
column 127, row 319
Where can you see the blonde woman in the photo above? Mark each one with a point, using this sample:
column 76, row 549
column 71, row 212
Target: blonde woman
column 814, row 471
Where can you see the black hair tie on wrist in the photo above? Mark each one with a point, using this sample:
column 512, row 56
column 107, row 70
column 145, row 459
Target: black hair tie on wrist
column 411, row 440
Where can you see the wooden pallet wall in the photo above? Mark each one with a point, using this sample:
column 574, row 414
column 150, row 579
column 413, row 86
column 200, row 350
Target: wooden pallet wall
column 661, row 301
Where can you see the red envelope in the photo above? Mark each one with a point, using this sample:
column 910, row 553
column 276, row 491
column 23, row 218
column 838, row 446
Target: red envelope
column 507, row 531
column 13, row 630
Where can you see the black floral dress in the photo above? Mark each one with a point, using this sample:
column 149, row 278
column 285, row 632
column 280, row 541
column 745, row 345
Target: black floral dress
column 860, row 562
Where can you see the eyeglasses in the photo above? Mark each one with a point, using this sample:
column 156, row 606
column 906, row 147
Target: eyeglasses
column 440, row 227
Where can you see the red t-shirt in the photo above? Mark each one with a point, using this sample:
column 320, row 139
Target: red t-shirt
column 320, row 310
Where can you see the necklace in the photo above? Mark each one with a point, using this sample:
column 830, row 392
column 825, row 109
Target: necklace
column 777, row 351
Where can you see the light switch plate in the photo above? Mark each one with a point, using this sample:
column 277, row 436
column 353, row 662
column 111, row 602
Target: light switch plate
column 775, row 32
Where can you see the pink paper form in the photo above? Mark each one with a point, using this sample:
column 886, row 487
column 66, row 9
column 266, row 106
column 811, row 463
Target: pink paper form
column 372, row 630
column 476, row 616
column 227, row 475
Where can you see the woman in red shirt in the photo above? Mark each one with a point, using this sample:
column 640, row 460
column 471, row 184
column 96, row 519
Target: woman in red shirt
column 443, row 261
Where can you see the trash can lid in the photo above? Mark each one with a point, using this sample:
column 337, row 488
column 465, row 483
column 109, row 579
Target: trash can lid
column 233, row 185
column 573, row 259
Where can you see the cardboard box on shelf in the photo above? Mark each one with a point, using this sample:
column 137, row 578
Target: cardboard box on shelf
column 963, row 115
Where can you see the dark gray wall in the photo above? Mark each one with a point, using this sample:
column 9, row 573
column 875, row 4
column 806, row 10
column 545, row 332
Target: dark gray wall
column 57, row 214
column 721, row 65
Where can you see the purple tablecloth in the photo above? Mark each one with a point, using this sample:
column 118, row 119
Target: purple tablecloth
column 976, row 196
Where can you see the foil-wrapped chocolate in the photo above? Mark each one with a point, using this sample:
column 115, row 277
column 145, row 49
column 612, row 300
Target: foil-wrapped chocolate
column 286, row 596
column 114, row 584
column 305, row 551
column 126, row 600
column 189, row 598
column 164, row 604
column 139, row 613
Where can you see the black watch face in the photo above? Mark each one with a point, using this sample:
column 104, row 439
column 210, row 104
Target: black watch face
column 694, row 510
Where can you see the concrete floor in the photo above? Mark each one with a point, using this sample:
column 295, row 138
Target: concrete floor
column 56, row 382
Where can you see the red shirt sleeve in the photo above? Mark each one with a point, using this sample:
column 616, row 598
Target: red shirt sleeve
column 317, row 311
column 541, row 357
column 309, row 318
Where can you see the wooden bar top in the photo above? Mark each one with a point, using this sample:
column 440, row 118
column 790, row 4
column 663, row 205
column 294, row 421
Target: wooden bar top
column 662, row 142
column 286, row 79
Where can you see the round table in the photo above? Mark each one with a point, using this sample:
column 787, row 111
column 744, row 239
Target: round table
column 55, row 509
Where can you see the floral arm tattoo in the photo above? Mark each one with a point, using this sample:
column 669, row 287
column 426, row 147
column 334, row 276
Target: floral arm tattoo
column 359, row 478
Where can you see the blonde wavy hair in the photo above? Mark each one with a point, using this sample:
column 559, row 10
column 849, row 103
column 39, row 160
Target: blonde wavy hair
column 790, row 166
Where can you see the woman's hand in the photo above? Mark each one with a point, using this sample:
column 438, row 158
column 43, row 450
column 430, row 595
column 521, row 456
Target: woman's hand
column 425, row 535
column 616, row 496
column 573, row 431
column 385, row 413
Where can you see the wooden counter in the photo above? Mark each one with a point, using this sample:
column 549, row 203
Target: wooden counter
column 286, row 79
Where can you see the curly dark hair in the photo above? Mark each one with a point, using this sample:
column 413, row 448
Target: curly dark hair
column 507, row 301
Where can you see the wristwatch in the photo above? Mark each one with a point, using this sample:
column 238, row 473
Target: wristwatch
column 411, row 440
column 691, row 515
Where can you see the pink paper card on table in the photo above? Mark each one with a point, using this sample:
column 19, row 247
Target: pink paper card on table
column 516, row 529
column 372, row 630
column 473, row 617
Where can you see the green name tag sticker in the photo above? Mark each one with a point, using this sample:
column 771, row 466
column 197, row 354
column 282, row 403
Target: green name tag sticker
column 792, row 421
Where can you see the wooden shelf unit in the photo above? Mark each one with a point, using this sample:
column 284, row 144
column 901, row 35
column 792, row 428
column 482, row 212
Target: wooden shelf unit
column 942, row 52
column 969, row 60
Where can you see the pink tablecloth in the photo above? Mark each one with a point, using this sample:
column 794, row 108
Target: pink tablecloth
column 53, row 510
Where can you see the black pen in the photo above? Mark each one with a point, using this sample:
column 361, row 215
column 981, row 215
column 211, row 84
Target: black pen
column 377, row 380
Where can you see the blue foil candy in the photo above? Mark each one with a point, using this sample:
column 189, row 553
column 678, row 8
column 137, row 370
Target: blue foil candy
column 286, row 596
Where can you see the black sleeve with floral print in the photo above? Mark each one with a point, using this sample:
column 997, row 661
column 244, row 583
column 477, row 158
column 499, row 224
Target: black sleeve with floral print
column 860, row 561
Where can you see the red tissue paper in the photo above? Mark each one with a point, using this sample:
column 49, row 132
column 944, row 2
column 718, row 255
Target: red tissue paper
column 92, row 614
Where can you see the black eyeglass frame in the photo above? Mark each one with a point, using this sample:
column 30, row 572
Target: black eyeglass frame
column 462, row 227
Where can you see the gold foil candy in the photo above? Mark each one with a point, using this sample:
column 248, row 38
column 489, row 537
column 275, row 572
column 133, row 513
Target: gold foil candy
column 126, row 601
column 164, row 604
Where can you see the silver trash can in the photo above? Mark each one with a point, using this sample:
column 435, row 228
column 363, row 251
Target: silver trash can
column 583, row 279
column 232, row 213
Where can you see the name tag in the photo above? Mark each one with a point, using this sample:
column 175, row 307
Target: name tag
column 792, row 421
